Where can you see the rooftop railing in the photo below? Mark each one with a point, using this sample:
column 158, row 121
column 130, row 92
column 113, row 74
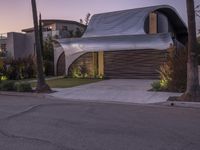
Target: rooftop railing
column 59, row 34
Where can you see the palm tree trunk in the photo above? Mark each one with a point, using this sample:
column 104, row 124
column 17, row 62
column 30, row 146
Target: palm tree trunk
column 41, row 35
column 41, row 84
column 193, row 90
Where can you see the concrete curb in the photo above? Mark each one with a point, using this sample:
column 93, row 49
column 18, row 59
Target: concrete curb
column 167, row 103
column 164, row 104
column 22, row 94
column 181, row 104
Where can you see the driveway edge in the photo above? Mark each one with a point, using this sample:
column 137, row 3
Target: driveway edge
column 19, row 94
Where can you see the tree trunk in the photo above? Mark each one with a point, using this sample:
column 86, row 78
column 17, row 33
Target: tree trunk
column 41, row 35
column 193, row 90
column 41, row 87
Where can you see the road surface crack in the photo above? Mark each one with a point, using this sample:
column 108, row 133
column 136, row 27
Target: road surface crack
column 59, row 147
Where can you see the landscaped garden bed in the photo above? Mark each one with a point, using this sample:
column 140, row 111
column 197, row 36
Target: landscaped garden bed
column 29, row 85
column 15, row 86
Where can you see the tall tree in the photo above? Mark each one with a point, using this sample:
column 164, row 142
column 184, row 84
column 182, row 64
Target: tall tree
column 41, row 87
column 193, row 89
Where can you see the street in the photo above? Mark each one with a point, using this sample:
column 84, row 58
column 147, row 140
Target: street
column 37, row 123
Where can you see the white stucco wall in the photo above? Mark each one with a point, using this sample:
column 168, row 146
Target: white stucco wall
column 58, row 50
column 20, row 45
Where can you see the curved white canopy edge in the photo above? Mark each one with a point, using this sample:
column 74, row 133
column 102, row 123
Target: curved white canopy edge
column 76, row 47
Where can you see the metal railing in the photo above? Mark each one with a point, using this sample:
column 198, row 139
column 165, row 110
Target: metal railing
column 53, row 34
column 58, row 34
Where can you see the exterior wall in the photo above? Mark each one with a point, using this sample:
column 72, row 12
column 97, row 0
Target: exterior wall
column 58, row 50
column 61, row 65
column 10, row 45
column 163, row 23
column 16, row 45
column 20, row 45
column 29, row 44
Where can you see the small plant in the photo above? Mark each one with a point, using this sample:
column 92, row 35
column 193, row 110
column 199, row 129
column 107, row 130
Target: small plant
column 80, row 71
column 23, row 87
column 156, row 86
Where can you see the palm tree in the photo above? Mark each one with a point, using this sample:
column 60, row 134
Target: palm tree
column 193, row 89
column 41, row 84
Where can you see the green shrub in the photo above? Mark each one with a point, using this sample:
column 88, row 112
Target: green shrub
column 17, row 69
column 23, row 87
column 48, row 68
column 156, row 86
column 7, row 86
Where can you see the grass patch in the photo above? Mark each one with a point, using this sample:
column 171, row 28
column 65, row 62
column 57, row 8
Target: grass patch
column 68, row 82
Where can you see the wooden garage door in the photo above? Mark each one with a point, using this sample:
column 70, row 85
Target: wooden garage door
column 136, row 64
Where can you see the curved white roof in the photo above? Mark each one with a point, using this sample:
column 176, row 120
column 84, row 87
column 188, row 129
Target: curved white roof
column 128, row 22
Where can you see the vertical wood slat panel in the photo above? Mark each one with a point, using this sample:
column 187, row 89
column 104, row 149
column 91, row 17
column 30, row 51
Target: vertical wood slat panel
column 142, row 64
column 133, row 64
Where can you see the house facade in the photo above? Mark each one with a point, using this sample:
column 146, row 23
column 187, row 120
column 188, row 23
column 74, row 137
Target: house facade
column 126, row 44
column 20, row 45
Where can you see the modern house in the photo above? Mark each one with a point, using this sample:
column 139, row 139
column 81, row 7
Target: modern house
column 125, row 44
column 20, row 45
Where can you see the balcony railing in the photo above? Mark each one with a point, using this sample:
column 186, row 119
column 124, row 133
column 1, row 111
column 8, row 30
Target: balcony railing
column 53, row 34
column 59, row 34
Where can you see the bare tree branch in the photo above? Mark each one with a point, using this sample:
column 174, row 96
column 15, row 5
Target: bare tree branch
column 197, row 14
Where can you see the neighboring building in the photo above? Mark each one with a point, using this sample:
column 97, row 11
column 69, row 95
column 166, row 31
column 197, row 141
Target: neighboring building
column 3, row 51
column 126, row 44
column 20, row 45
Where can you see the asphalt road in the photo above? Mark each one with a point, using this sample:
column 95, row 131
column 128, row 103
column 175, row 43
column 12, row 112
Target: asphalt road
column 31, row 123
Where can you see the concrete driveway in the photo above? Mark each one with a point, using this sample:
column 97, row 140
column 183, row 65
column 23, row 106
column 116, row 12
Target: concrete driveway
column 115, row 90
